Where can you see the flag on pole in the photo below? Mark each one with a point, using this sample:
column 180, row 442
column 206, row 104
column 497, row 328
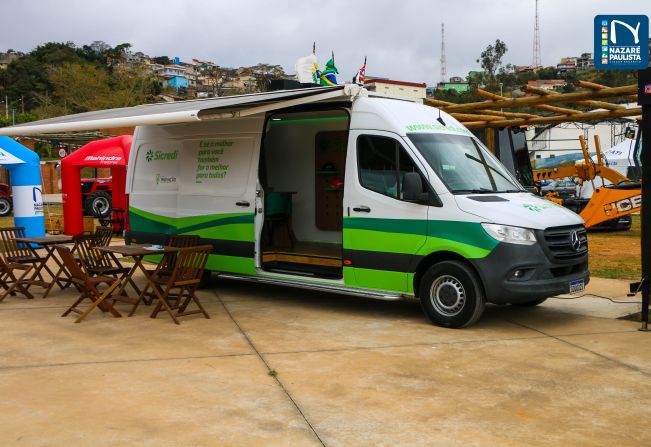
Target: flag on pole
column 328, row 76
column 306, row 68
column 360, row 77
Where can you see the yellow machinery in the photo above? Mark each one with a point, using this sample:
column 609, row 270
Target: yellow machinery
column 621, row 198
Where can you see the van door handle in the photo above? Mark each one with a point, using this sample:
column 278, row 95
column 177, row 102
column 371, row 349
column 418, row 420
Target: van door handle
column 242, row 203
column 362, row 209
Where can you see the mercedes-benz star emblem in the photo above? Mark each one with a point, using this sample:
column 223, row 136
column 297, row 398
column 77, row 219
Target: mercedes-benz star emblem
column 575, row 241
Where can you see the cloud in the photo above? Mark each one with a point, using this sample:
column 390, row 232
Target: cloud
column 402, row 39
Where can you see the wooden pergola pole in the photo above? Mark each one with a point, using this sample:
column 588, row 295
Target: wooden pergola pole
column 441, row 104
column 535, row 100
column 548, row 108
column 586, row 116
column 588, row 103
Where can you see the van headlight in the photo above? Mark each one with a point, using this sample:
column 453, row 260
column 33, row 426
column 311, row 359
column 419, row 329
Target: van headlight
column 509, row 234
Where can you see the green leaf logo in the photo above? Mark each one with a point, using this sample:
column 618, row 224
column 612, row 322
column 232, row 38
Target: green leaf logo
column 149, row 156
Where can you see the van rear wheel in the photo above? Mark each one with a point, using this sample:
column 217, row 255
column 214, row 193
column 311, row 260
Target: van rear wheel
column 451, row 295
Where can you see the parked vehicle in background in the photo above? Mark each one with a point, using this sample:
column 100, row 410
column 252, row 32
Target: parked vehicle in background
column 6, row 202
column 97, row 196
column 564, row 188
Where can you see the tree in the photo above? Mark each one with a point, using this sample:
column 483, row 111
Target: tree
column 217, row 77
column 491, row 60
column 162, row 60
column 116, row 54
column 264, row 73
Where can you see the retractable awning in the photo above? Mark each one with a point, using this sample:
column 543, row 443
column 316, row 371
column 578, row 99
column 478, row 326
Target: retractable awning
column 182, row 111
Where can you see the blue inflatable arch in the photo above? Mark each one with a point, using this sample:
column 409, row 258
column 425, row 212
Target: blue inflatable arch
column 24, row 167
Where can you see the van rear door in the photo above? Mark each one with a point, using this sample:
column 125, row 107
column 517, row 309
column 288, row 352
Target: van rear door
column 216, row 197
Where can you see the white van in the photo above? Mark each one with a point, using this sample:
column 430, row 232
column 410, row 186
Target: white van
column 348, row 191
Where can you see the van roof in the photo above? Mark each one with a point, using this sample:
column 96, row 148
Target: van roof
column 182, row 111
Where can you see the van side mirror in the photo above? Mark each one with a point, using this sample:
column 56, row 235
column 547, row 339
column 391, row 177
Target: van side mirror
column 412, row 188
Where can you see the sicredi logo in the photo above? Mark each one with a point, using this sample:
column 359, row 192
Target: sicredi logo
column 150, row 155
column 621, row 42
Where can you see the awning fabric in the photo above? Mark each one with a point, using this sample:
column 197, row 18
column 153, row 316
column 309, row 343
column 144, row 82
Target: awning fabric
column 175, row 112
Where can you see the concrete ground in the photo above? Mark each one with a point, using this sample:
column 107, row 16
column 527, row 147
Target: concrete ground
column 278, row 366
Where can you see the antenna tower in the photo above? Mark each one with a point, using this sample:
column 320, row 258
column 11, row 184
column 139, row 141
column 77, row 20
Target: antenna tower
column 536, row 40
column 444, row 74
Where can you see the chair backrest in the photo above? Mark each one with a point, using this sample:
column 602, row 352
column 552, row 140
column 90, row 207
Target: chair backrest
column 190, row 263
column 104, row 236
column 183, row 240
column 71, row 264
column 90, row 256
column 12, row 248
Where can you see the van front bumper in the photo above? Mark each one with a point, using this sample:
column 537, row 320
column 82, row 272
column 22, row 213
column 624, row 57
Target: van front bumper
column 523, row 273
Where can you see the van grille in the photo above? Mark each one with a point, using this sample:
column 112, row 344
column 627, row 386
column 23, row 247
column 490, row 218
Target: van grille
column 562, row 244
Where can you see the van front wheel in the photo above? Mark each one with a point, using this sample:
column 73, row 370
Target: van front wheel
column 451, row 295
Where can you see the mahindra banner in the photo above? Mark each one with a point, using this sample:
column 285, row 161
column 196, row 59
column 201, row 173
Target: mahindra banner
column 621, row 42
column 108, row 160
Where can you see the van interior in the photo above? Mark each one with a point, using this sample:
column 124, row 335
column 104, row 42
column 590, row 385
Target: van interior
column 301, row 172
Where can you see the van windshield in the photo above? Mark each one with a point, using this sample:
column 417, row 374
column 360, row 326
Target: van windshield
column 463, row 165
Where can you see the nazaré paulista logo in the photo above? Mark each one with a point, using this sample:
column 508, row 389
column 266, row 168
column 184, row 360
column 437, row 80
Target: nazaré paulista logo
column 621, row 42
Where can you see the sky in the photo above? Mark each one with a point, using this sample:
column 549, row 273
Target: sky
column 401, row 38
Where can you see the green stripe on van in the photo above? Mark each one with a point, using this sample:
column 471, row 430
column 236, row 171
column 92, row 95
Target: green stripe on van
column 469, row 239
column 235, row 226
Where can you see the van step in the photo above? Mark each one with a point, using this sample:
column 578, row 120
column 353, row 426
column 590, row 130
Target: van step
column 334, row 288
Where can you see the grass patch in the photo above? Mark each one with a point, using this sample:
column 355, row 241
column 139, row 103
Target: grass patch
column 616, row 254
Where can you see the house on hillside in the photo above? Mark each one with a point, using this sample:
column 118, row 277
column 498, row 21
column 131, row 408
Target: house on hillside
column 411, row 90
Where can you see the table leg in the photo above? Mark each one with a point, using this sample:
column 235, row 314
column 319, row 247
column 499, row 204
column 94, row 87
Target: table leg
column 61, row 271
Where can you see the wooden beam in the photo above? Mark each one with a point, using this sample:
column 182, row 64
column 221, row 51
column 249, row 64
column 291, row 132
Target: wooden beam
column 490, row 140
column 535, row 100
column 439, row 103
column 586, row 116
column 595, row 86
column 548, row 108
column 588, row 103
column 475, row 117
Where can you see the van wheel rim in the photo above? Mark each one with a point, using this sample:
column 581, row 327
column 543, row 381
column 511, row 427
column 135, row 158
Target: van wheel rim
column 447, row 295
column 4, row 207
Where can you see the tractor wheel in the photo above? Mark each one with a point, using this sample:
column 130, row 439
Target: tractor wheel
column 5, row 206
column 98, row 204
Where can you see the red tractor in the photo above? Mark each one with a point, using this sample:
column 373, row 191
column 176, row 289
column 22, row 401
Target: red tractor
column 6, row 203
column 97, row 197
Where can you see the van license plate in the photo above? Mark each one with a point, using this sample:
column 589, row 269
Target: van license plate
column 578, row 285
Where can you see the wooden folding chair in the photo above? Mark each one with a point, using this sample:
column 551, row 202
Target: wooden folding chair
column 12, row 283
column 182, row 284
column 99, row 263
column 166, row 264
column 88, row 286
column 22, row 253
column 104, row 236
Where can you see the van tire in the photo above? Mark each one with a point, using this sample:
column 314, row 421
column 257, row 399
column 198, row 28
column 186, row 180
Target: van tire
column 451, row 295
column 5, row 206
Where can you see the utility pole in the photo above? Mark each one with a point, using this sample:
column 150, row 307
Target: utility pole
column 6, row 107
column 644, row 99
column 444, row 74
column 536, row 41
